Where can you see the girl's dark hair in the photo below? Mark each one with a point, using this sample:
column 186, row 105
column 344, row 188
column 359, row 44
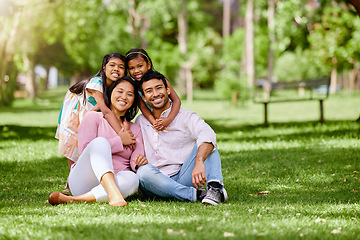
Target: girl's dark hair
column 138, row 52
column 132, row 111
column 80, row 87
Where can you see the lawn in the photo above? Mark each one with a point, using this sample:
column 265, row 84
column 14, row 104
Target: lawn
column 311, row 170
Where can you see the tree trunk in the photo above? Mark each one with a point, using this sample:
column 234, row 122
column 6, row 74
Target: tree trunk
column 356, row 4
column 238, row 21
column 75, row 78
column 186, row 80
column 352, row 77
column 30, row 84
column 270, row 65
column 226, row 18
column 145, row 25
column 6, row 53
column 357, row 83
column 249, row 39
column 333, row 78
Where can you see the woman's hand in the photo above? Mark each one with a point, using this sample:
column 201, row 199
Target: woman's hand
column 140, row 160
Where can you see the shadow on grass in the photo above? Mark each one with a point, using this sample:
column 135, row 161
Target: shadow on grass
column 30, row 183
column 245, row 172
column 16, row 132
column 288, row 130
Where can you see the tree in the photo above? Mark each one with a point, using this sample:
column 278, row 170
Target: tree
column 249, row 43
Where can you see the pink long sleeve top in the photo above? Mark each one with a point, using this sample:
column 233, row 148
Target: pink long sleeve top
column 95, row 125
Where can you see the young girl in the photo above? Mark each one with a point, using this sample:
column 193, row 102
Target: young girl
column 89, row 95
column 138, row 63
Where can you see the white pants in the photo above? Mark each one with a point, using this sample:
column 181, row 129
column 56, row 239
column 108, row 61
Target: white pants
column 94, row 162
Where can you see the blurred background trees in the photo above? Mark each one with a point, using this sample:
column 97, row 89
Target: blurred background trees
column 230, row 45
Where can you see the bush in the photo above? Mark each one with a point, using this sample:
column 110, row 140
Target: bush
column 299, row 65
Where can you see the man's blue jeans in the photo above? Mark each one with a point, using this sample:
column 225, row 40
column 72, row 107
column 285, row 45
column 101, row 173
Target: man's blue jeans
column 180, row 185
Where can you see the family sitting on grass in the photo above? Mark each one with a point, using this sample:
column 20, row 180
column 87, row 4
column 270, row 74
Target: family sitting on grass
column 169, row 152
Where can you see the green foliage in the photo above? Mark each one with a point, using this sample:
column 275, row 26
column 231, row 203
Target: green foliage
column 261, row 48
column 311, row 171
column 291, row 21
column 230, row 77
column 332, row 37
column 299, row 65
column 8, row 88
column 204, row 47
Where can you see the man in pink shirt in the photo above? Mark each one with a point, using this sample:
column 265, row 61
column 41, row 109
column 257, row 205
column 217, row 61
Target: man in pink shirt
column 183, row 158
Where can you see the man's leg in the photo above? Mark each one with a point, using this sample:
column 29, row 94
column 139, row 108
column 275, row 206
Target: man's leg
column 212, row 168
column 216, row 193
column 153, row 181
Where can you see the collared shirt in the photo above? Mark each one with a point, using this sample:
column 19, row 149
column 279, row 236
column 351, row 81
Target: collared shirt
column 169, row 149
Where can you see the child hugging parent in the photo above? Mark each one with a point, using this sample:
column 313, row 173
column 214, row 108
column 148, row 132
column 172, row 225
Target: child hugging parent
column 138, row 63
column 90, row 95
column 105, row 170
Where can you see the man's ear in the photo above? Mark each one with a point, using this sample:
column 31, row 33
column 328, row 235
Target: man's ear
column 168, row 90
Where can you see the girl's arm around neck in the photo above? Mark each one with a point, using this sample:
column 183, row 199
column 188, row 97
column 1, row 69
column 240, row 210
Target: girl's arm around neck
column 108, row 114
column 146, row 111
column 127, row 136
column 175, row 108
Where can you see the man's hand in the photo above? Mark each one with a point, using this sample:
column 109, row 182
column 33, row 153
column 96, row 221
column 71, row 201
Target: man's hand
column 140, row 160
column 198, row 174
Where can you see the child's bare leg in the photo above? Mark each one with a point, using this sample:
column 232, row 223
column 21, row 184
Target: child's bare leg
column 115, row 197
column 70, row 162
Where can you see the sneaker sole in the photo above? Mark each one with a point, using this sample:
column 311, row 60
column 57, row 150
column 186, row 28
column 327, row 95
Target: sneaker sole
column 224, row 195
column 209, row 202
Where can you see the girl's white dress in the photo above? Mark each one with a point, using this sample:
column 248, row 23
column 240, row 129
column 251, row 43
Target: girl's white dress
column 72, row 112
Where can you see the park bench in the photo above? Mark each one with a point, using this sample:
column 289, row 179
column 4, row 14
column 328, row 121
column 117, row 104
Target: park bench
column 306, row 90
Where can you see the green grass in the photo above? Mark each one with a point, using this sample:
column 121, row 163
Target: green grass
column 311, row 170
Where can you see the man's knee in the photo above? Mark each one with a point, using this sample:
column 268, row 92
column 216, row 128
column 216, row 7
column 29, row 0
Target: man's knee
column 145, row 172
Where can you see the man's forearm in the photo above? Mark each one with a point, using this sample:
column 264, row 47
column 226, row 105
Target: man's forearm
column 204, row 151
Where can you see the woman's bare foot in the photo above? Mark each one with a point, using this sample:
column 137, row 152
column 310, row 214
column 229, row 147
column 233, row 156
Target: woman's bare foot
column 118, row 204
column 117, row 201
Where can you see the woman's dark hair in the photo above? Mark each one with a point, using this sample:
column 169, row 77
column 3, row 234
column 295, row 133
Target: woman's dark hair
column 138, row 52
column 80, row 87
column 132, row 111
column 152, row 75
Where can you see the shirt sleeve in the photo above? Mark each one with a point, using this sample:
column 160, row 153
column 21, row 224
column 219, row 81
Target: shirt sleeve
column 199, row 129
column 88, row 130
column 95, row 84
column 116, row 144
column 139, row 148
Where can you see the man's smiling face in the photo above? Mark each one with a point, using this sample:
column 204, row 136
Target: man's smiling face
column 156, row 94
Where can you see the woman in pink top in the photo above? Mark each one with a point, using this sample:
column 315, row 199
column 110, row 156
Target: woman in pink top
column 105, row 171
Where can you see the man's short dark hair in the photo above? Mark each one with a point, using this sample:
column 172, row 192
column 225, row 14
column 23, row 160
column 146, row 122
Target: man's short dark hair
column 152, row 75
